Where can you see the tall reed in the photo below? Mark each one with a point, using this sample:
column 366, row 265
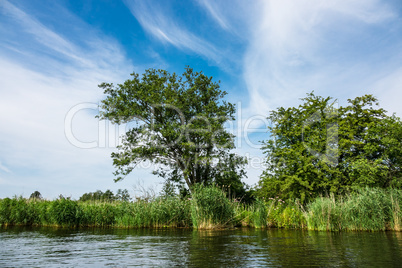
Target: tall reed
column 396, row 199
column 161, row 212
column 325, row 214
column 368, row 209
column 210, row 208
column 259, row 214
column 171, row 212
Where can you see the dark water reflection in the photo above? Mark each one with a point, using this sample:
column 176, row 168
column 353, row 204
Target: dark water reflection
column 22, row 247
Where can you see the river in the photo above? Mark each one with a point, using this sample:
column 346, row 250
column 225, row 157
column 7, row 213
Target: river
column 54, row 247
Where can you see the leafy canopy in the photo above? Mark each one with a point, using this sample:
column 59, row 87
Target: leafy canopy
column 317, row 148
column 179, row 124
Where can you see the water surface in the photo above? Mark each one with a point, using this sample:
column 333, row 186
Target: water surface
column 54, row 247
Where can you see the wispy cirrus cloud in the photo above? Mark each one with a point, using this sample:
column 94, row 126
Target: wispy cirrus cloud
column 39, row 32
column 28, row 38
column 214, row 11
column 237, row 18
column 162, row 25
column 4, row 168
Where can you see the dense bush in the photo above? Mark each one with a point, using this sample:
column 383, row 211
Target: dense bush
column 318, row 149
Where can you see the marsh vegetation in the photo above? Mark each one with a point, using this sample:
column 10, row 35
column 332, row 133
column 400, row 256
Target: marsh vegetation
column 370, row 209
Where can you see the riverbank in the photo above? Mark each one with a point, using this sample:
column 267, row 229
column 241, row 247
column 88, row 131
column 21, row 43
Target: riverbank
column 369, row 209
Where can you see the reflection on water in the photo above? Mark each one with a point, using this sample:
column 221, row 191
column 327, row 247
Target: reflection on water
column 185, row 247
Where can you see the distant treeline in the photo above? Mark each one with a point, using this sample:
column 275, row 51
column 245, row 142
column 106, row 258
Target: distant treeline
column 107, row 196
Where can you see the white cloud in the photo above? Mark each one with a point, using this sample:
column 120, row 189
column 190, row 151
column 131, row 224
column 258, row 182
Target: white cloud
column 293, row 47
column 300, row 46
column 41, row 78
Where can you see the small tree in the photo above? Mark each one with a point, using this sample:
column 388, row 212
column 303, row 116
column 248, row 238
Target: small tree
column 36, row 195
column 108, row 196
column 168, row 190
column 180, row 125
column 86, row 197
column 123, row 195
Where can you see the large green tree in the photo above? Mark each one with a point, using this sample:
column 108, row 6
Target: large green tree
column 179, row 124
column 318, row 148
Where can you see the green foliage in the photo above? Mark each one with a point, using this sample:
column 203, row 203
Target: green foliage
column 275, row 208
column 283, row 214
column 370, row 209
column 396, row 213
column 291, row 217
column 14, row 211
column 63, row 212
column 367, row 209
column 228, row 174
column 210, row 208
column 96, row 214
column 5, row 210
column 259, row 214
column 123, row 195
column 386, row 152
column 274, row 213
column 179, row 124
column 168, row 190
column 95, row 196
column 107, row 196
column 36, row 195
column 325, row 214
column 169, row 212
column 318, row 149
column 19, row 211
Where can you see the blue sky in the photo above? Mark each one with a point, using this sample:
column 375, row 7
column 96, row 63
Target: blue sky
column 266, row 54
